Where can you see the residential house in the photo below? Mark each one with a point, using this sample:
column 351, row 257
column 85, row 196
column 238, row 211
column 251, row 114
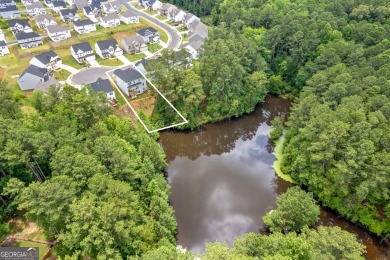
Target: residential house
column 129, row 17
column 28, row 40
column 153, row 5
column 9, row 11
column 69, row 15
column 149, row 35
column 44, row 20
column 98, row 3
column 165, row 9
column 58, row 6
column 193, row 48
column 2, row 36
column 104, row 85
column 3, row 48
column 58, row 33
column 197, row 27
column 108, row 49
column 176, row 15
column 143, row 2
column 141, row 65
column 80, row 4
column 82, row 52
column 84, row 26
column 133, row 44
column 4, row 3
column 89, row 13
column 188, row 19
column 29, row 2
column 130, row 81
column 35, row 9
column 48, row 60
column 110, row 20
column 19, row 25
column 112, row 7
column 49, row 3
column 36, row 78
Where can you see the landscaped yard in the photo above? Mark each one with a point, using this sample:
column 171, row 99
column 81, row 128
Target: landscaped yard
column 135, row 57
column 151, row 12
column 181, row 29
column 154, row 47
column 109, row 62
column 185, row 37
column 62, row 75
column 139, row 7
column 161, row 17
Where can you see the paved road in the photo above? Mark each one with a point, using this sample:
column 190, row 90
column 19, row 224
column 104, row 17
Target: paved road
column 175, row 36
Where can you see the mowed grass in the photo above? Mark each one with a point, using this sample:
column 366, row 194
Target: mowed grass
column 42, row 247
column 135, row 57
column 161, row 17
column 154, row 47
column 113, row 62
column 62, row 75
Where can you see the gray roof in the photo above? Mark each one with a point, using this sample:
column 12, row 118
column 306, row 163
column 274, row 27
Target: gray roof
column 84, row 46
column 34, row 70
column 83, row 22
column 87, row 9
column 104, row 45
column 110, row 17
column 42, row 17
column 130, row 40
column 167, row 6
column 102, row 85
column 57, row 28
column 2, row 44
column 35, row 5
column 143, row 31
column 46, row 56
column 188, row 16
column 196, row 38
column 59, row 4
column 44, row 86
column 9, row 8
column 81, row 3
column 145, row 62
column 199, row 28
column 128, row 74
column 14, row 22
column 196, row 45
column 25, row 36
column 6, row 1
column 66, row 12
column 129, row 13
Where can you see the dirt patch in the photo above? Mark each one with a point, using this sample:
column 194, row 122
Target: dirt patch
column 29, row 229
column 126, row 111
column 146, row 104
column 2, row 72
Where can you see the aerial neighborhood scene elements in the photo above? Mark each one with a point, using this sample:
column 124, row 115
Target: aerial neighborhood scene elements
column 195, row 129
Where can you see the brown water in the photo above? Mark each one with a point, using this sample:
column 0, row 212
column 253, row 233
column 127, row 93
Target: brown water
column 223, row 181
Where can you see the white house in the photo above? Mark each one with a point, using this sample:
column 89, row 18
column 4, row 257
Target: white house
column 112, row 7
column 58, row 32
column 35, row 8
column 3, row 48
column 149, row 35
column 2, row 37
column 176, row 15
column 108, row 49
column 84, row 26
column 29, row 2
column 165, row 9
column 193, row 48
column 103, row 85
column 153, row 5
column 82, row 52
column 48, row 60
column 43, row 20
column 110, row 20
column 188, row 19
column 129, row 17
column 69, row 15
column 19, row 25
column 57, row 6
column 28, row 40
column 130, row 81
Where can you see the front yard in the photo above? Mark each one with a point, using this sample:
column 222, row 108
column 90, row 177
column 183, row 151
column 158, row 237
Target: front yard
column 135, row 57
column 154, row 47
column 113, row 62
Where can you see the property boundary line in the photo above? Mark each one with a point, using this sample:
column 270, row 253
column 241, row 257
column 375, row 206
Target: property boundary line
column 131, row 107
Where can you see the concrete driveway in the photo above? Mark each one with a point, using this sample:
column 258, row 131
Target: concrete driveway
column 123, row 59
column 89, row 75
column 69, row 68
column 94, row 63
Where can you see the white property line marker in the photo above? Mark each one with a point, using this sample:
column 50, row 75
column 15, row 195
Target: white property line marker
column 131, row 107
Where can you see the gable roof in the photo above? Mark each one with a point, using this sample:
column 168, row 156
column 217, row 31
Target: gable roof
column 57, row 28
column 81, row 3
column 46, row 57
column 196, row 38
column 66, row 12
column 14, row 22
column 144, row 31
column 104, row 45
column 129, row 13
column 144, row 62
column 59, row 4
column 168, row 6
column 102, row 85
column 87, row 9
column 25, row 36
column 128, row 74
column 35, row 5
column 200, row 28
column 2, row 44
column 195, row 45
column 110, row 17
column 130, row 40
column 34, row 70
column 9, row 8
column 43, row 17
column 83, row 22
column 6, row 1
column 84, row 47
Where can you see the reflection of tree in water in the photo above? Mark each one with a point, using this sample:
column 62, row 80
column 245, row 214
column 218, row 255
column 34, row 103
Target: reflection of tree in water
column 221, row 137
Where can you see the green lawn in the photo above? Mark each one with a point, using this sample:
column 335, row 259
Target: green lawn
column 154, row 47
column 151, row 12
column 139, row 7
column 181, row 29
column 161, row 17
column 185, row 37
column 42, row 247
column 119, row 97
column 135, row 57
column 163, row 35
column 109, row 62
column 61, row 75
column 172, row 23
column 123, row 8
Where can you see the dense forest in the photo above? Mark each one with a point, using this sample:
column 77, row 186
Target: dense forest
column 88, row 178
column 333, row 57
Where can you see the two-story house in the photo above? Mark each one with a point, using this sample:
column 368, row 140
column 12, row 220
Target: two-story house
column 103, row 85
column 4, row 3
column 149, row 35
column 43, row 20
column 28, row 40
column 3, row 48
column 112, row 7
column 58, row 6
column 35, row 9
column 58, row 33
column 36, row 78
column 110, row 20
column 84, row 26
column 153, row 5
column 9, row 11
column 19, row 25
column 108, row 49
column 80, row 4
column 130, row 81
column 82, row 52
column 2, row 36
column 188, row 19
column 29, row 2
column 129, row 17
column 165, row 9
column 176, row 15
column 69, row 15
column 48, row 60
column 133, row 44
